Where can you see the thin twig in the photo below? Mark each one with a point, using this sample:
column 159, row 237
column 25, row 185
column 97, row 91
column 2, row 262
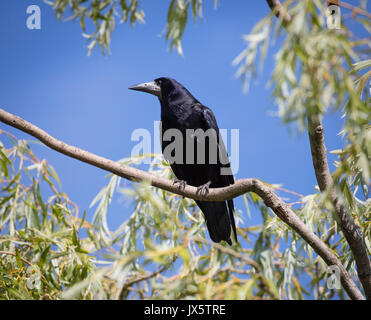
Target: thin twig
column 10, row 253
column 355, row 10
column 258, row 272
column 141, row 278
column 228, row 251
column 288, row 191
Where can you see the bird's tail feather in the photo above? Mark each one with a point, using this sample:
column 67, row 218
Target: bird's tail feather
column 217, row 220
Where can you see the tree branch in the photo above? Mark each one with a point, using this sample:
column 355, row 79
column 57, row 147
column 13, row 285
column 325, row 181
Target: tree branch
column 325, row 182
column 279, row 10
column 271, row 200
column 355, row 10
column 324, row 179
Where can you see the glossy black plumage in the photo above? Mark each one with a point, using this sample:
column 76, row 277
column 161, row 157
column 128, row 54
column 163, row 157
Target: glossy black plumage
column 181, row 111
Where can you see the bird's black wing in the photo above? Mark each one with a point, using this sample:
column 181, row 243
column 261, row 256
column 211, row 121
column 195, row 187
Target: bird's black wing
column 209, row 122
column 225, row 176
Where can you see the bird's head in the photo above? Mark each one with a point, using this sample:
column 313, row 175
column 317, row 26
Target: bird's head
column 164, row 88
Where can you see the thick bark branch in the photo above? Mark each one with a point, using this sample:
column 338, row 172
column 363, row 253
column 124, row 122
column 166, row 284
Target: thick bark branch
column 325, row 182
column 281, row 209
column 319, row 152
column 324, row 179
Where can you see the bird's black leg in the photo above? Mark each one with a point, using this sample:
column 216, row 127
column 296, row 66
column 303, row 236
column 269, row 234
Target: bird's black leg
column 182, row 184
column 204, row 189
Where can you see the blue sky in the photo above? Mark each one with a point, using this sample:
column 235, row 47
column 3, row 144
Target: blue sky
column 48, row 79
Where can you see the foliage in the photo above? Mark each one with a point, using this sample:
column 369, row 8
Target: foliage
column 161, row 250
column 317, row 71
column 40, row 249
column 45, row 256
column 103, row 15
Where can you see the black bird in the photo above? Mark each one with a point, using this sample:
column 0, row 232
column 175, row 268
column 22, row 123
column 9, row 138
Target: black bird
column 181, row 111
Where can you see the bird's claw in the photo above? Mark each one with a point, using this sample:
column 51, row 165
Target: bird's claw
column 204, row 189
column 182, row 184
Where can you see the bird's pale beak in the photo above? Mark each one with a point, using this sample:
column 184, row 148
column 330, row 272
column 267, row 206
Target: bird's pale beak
column 149, row 87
